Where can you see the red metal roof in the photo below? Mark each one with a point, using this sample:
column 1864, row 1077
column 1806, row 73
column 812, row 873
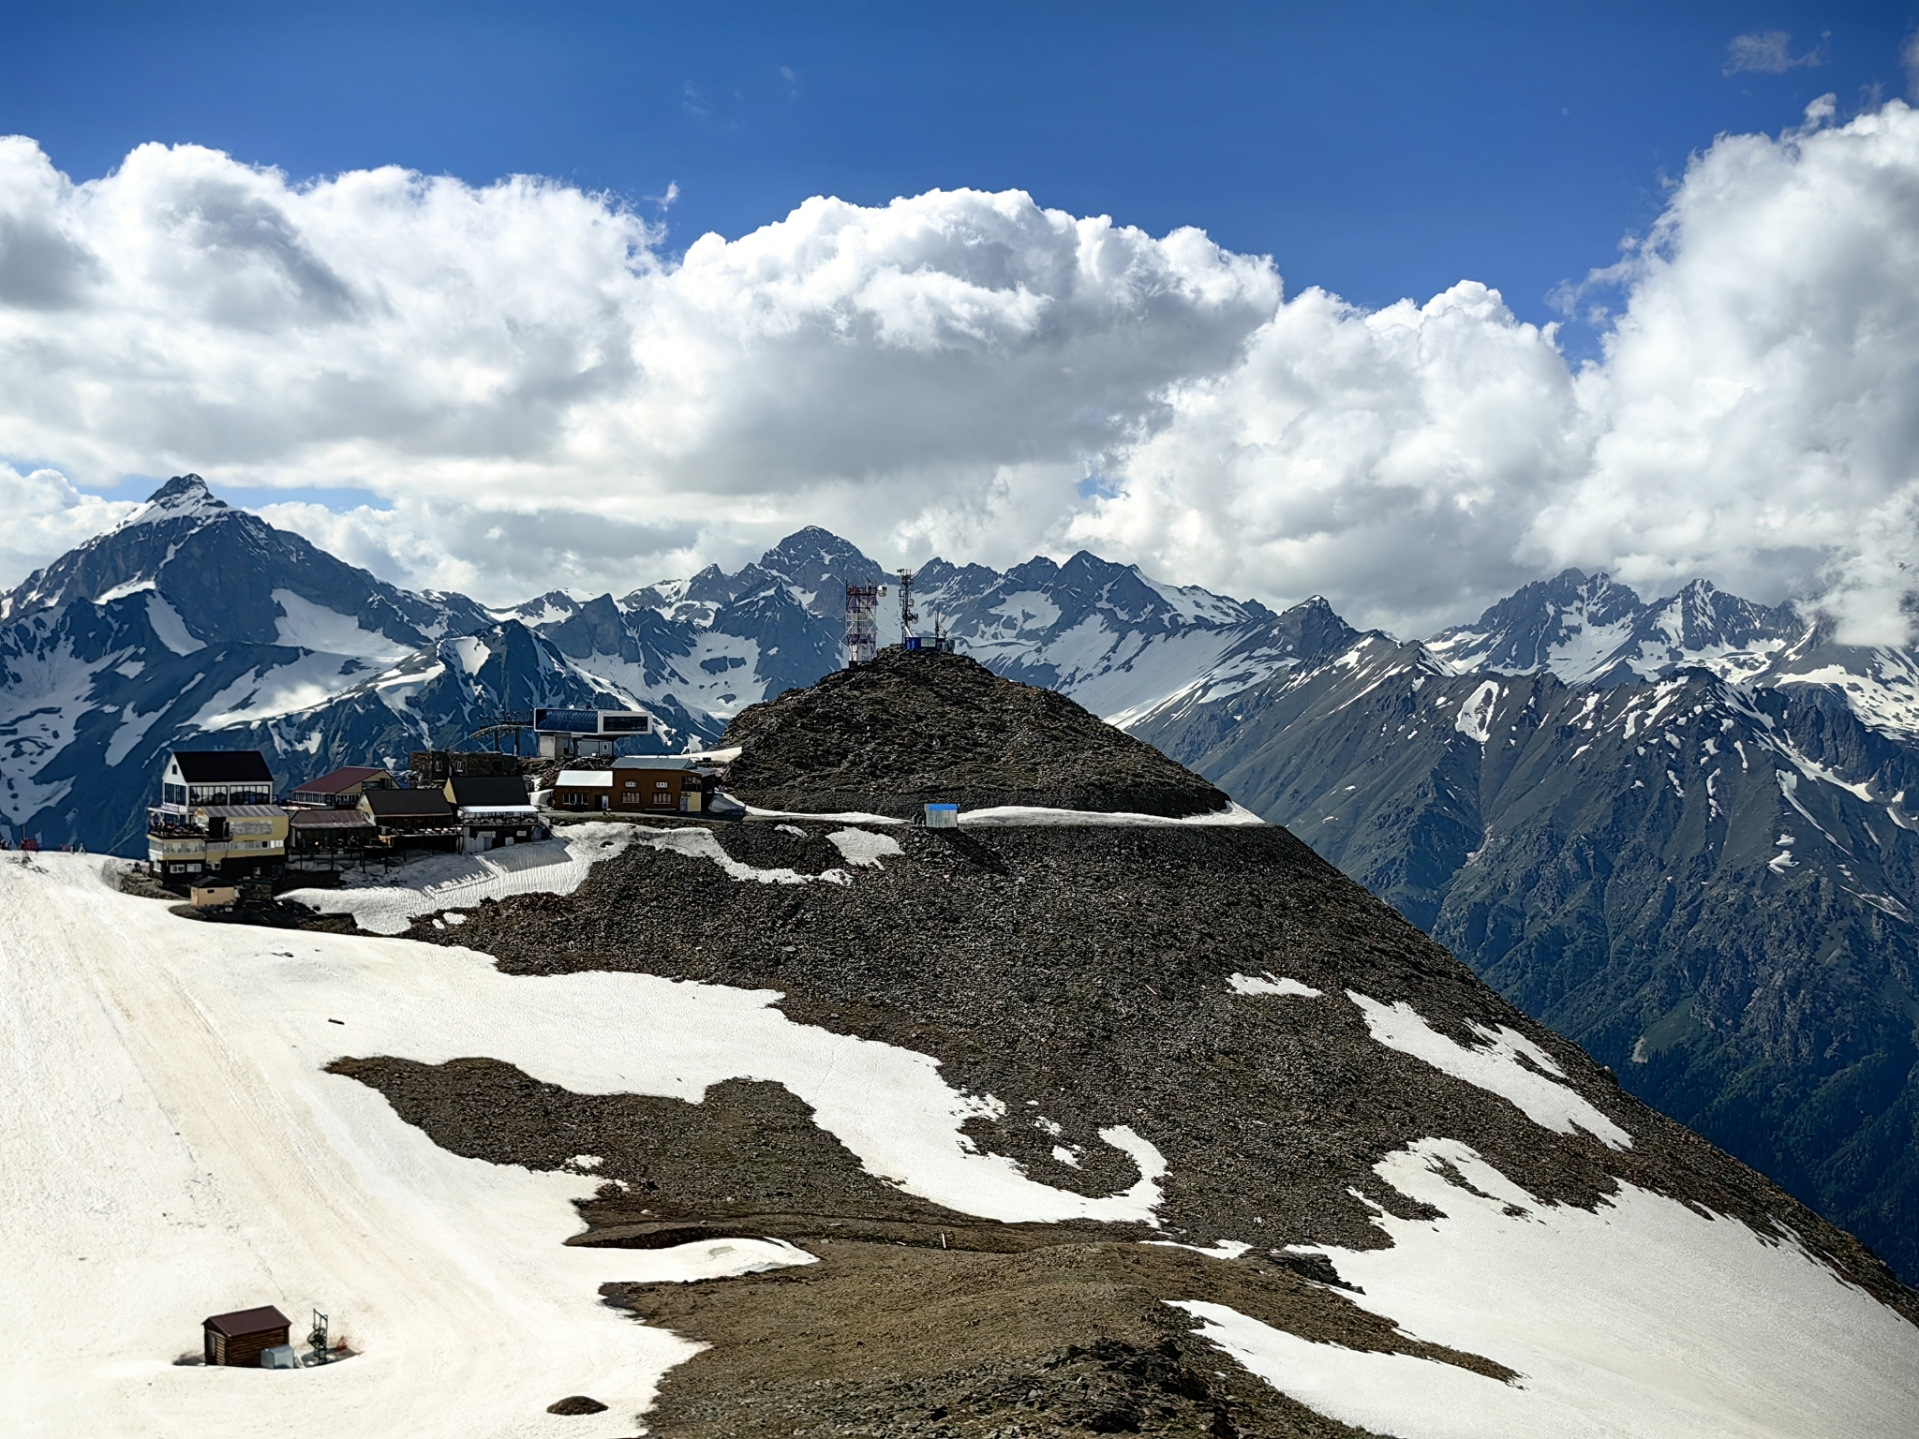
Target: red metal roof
column 248, row 1321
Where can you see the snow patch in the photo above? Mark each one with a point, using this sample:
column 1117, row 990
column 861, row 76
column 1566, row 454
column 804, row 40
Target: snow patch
column 1475, row 717
column 863, row 847
column 1224, row 1249
column 169, row 628
column 379, row 905
column 271, row 691
column 302, row 624
column 1007, row 815
column 1496, row 1068
column 1254, row 984
column 121, row 591
column 697, row 843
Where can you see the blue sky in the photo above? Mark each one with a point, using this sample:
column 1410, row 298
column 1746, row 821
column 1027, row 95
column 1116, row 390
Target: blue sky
column 1381, row 150
column 501, row 388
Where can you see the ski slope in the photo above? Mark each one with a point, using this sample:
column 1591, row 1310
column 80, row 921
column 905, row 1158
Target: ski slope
column 175, row 1149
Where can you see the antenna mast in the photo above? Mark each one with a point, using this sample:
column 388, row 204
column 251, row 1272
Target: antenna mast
column 907, row 616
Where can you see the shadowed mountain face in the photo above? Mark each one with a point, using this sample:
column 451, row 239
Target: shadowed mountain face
column 1711, row 885
column 1183, row 1036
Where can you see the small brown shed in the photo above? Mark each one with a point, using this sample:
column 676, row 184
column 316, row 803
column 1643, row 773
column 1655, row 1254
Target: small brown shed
column 240, row 1338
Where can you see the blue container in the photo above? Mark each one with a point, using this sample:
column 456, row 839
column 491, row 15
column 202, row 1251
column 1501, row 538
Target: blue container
column 942, row 816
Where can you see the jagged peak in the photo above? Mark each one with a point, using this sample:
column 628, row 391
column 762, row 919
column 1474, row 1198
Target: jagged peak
column 809, row 544
column 181, row 497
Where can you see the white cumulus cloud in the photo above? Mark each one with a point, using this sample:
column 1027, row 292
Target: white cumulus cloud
column 1753, row 418
column 46, row 515
column 540, row 394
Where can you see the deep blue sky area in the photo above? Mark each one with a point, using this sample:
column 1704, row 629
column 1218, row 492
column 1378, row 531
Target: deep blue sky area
column 1377, row 149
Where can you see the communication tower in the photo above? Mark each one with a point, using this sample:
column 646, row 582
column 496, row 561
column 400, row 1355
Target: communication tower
column 908, row 618
column 863, row 623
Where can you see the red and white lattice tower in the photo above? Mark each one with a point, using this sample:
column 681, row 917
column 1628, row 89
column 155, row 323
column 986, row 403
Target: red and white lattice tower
column 862, row 623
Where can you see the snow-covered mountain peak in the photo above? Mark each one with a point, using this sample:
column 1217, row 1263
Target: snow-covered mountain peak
column 1572, row 624
column 1594, row 630
column 182, row 497
column 547, row 609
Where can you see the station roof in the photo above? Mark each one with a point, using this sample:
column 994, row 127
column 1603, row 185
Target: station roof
column 399, row 803
column 487, row 791
column 340, row 780
column 222, row 766
column 248, row 1321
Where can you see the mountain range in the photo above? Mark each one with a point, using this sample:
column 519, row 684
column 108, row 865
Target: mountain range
column 1677, row 831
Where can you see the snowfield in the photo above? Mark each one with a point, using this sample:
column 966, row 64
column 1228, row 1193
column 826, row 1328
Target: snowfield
column 386, row 902
column 1642, row 1320
column 175, row 1149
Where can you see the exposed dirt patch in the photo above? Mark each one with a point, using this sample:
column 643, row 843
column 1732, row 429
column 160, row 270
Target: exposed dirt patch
column 886, row 1340
column 909, row 729
column 748, row 1153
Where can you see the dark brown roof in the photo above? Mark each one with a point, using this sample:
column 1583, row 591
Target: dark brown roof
column 248, row 1321
column 329, row 819
column 223, row 766
column 340, row 779
column 407, row 802
column 487, row 791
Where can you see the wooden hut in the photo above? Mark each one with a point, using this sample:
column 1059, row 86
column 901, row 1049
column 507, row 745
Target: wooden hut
column 240, row 1338
column 656, row 784
column 412, row 818
column 583, row 789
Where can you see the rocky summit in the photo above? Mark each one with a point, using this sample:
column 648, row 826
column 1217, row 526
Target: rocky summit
column 919, row 727
column 1241, row 1151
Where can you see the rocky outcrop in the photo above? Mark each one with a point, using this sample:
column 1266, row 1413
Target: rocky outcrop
column 915, row 727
